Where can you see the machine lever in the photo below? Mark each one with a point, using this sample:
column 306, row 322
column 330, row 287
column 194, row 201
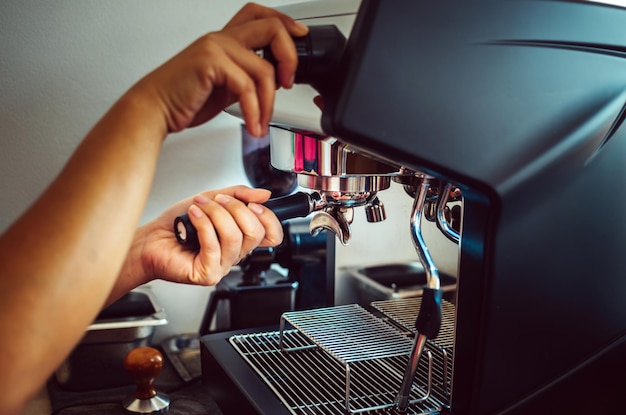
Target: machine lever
column 297, row 205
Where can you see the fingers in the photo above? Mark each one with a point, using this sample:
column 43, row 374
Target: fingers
column 256, row 27
column 272, row 230
column 252, row 11
column 252, row 79
column 271, row 32
column 254, row 199
column 233, row 66
column 231, row 224
column 252, row 82
column 255, row 82
column 206, row 268
column 247, row 194
column 242, row 233
column 222, row 67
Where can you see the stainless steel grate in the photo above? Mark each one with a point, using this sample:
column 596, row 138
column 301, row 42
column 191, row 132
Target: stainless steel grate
column 307, row 367
column 311, row 382
column 349, row 333
column 404, row 312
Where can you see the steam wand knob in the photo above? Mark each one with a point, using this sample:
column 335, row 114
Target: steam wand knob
column 144, row 364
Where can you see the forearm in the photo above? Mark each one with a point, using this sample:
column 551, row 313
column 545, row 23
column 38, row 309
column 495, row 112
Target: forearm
column 62, row 257
column 133, row 272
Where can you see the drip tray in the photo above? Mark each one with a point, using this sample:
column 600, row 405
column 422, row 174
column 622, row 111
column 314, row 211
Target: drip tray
column 314, row 369
column 393, row 281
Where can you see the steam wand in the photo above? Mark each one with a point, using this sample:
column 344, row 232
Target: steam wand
column 428, row 320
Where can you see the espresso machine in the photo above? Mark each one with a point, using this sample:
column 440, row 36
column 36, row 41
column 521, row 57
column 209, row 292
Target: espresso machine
column 502, row 120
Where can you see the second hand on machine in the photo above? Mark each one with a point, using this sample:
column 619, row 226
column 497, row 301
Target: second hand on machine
column 297, row 205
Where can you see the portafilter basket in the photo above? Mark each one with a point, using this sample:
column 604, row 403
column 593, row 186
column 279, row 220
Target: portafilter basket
column 343, row 177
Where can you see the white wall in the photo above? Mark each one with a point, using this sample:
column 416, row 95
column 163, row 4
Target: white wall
column 64, row 62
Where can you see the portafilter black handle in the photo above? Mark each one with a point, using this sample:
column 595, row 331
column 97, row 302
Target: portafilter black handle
column 297, row 205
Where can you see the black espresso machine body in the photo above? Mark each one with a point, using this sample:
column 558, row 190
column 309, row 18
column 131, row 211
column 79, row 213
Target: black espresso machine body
column 520, row 104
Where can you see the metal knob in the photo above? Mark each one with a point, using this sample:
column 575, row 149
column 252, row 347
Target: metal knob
column 144, row 364
column 375, row 211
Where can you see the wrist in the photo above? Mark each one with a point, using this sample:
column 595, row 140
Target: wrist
column 142, row 102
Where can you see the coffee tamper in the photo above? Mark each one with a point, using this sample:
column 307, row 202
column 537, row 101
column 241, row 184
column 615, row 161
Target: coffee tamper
column 143, row 364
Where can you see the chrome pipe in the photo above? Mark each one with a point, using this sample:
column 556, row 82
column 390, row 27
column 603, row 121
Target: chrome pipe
column 442, row 223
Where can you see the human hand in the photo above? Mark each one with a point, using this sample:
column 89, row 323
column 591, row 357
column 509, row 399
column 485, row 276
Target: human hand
column 222, row 67
column 230, row 222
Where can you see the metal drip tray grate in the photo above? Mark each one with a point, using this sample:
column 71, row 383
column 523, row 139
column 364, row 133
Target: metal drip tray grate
column 404, row 312
column 344, row 359
column 349, row 333
column 310, row 381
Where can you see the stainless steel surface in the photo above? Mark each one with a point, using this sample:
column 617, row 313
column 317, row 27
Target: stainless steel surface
column 96, row 362
column 322, row 156
column 392, row 281
column 337, row 330
column 342, row 186
column 401, row 402
column 375, row 211
column 117, row 335
column 432, row 273
column 336, row 198
column 344, row 177
column 157, row 318
column 432, row 281
column 336, row 220
column 308, row 373
column 442, row 223
column 403, row 312
column 158, row 404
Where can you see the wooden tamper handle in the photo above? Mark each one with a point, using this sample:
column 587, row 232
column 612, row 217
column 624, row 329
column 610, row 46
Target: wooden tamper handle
column 144, row 364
